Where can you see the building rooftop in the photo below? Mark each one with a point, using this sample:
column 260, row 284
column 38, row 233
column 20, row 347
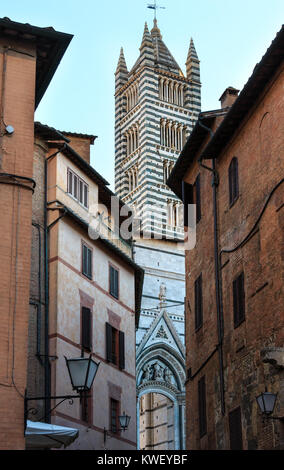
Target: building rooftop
column 50, row 47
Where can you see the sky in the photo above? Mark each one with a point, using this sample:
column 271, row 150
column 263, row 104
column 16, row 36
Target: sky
column 230, row 38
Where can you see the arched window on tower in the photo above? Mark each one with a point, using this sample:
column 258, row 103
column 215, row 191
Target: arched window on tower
column 132, row 175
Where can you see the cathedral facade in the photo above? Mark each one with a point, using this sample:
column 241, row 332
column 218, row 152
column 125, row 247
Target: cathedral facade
column 156, row 107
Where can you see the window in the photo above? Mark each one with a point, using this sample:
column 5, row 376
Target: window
column 87, row 261
column 196, row 198
column 239, row 300
column 233, row 181
column 86, row 329
column 198, row 302
column 202, row 407
column 114, row 416
column 113, row 282
column 115, row 346
column 77, row 188
column 235, row 424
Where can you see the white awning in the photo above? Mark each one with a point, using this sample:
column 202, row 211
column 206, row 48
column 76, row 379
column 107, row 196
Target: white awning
column 45, row 436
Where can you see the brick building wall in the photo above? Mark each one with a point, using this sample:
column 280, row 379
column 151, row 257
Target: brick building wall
column 258, row 146
column 17, row 82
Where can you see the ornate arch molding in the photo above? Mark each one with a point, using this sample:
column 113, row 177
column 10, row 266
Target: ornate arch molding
column 166, row 358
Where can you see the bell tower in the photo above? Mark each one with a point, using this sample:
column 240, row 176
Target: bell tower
column 156, row 106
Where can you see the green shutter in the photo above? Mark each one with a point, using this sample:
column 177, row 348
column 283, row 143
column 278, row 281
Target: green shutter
column 86, row 328
column 121, row 350
column 108, row 342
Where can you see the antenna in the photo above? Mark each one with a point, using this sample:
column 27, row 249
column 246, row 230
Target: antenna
column 154, row 6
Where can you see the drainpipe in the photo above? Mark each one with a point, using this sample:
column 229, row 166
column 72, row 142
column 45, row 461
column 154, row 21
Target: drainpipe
column 218, row 286
column 46, row 293
column 39, row 303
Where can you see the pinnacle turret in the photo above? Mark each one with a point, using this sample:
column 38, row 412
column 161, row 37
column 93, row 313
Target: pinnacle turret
column 155, row 31
column 147, row 39
column 121, row 73
column 192, row 63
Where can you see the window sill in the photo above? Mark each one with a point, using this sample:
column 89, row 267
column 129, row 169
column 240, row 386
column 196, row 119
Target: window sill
column 114, row 296
column 236, row 325
column 233, row 202
column 198, row 328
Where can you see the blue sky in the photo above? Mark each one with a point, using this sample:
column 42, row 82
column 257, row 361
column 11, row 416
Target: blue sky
column 230, row 38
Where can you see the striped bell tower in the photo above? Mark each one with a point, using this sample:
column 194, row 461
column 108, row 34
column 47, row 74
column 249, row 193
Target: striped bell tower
column 156, row 107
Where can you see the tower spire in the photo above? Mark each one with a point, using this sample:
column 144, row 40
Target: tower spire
column 155, row 31
column 146, row 40
column 121, row 73
column 192, row 63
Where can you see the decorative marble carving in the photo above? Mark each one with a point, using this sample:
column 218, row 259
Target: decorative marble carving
column 162, row 333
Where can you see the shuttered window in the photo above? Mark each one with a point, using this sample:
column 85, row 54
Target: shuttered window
column 114, row 416
column 87, row 261
column 197, row 199
column 86, row 336
column 235, row 425
column 198, row 302
column 233, row 181
column 115, row 346
column 121, row 350
column 77, row 188
column 202, row 407
column 113, row 282
column 239, row 300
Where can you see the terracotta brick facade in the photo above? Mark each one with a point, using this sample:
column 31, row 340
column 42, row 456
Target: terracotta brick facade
column 247, row 356
column 258, row 146
column 17, row 77
column 25, row 72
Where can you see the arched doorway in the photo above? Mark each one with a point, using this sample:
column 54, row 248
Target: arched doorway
column 160, row 400
column 156, row 422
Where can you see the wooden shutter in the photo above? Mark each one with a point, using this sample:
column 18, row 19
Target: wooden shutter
column 121, row 350
column 86, row 328
column 114, row 282
column 239, row 300
column 69, row 182
column 197, row 199
column 75, row 186
column 202, row 407
column 85, row 195
column 235, row 424
column 108, row 342
column 84, row 261
column 81, row 191
column 187, row 198
column 233, row 181
column 198, row 302
column 89, row 254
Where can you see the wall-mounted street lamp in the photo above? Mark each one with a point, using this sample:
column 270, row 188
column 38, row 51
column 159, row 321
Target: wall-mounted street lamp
column 123, row 421
column 82, row 372
column 266, row 403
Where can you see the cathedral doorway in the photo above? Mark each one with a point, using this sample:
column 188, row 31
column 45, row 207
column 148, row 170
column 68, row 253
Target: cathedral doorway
column 156, row 422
